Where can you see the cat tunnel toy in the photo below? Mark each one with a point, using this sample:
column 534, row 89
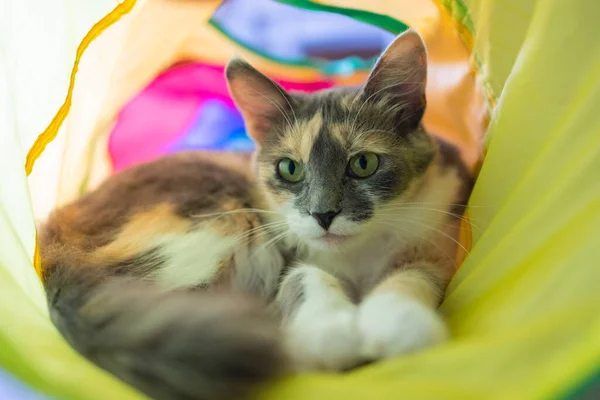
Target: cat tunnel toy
column 515, row 85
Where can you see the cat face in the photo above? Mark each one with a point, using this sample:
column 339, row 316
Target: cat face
column 329, row 161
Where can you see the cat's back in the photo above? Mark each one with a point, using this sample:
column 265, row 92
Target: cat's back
column 149, row 209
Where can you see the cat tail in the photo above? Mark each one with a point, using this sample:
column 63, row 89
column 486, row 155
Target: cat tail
column 175, row 345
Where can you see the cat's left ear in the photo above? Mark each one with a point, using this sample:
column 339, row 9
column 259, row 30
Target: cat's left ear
column 399, row 76
column 262, row 102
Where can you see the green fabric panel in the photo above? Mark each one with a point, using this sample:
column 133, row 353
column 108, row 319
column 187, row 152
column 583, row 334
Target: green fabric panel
column 500, row 29
column 380, row 20
column 322, row 66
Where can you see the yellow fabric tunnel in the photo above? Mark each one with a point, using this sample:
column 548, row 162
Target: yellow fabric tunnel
column 523, row 89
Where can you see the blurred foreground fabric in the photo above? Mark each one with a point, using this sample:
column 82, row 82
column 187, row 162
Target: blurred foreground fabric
column 516, row 81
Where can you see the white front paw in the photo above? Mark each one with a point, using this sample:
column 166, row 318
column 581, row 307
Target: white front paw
column 391, row 325
column 327, row 342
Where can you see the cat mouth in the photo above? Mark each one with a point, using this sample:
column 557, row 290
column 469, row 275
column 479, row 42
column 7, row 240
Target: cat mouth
column 334, row 239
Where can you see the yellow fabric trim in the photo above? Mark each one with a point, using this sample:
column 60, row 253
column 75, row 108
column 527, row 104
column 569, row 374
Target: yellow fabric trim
column 51, row 131
column 467, row 38
column 465, row 238
column 37, row 260
column 143, row 50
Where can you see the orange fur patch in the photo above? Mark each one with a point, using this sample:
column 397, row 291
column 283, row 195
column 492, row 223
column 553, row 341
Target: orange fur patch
column 137, row 235
column 233, row 161
column 236, row 222
column 298, row 141
column 413, row 283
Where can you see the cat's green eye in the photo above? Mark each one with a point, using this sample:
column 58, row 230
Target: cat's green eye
column 363, row 165
column 290, row 170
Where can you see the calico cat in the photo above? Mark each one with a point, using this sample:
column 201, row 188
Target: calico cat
column 198, row 275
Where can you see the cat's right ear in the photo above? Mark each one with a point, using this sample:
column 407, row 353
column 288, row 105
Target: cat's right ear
column 400, row 77
column 262, row 102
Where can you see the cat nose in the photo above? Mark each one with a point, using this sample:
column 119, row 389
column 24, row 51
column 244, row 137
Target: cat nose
column 325, row 219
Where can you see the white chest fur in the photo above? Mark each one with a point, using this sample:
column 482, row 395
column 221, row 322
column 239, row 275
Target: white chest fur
column 361, row 265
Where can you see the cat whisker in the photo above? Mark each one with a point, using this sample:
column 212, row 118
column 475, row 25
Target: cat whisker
column 285, row 116
column 264, row 229
column 458, row 216
column 289, row 104
column 386, row 132
column 419, row 206
column 451, row 259
column 445, row 224
column 427, row 226
column 272, row 241
column 237, row 211
column 441, row 203
column 373, row 95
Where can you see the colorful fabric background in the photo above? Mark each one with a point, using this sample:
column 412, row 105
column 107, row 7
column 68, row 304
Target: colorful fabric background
column 522, row 308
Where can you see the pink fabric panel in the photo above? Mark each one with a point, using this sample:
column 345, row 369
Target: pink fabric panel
column 160, row 114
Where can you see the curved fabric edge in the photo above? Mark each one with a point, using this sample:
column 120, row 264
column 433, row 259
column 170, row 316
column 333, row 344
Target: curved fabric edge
column 380, row 20
column 456, row 9
column 51, row 131
column 465, row 239
column 459, row 13
column 306, row 63
column 588, row 389
column 37, row 258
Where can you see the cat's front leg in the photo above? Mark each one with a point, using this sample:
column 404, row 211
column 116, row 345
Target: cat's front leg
column 319, row 320
column 400, row 314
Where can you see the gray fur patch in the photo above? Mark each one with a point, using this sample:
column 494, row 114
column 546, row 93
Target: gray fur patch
column 290, row 295
column 327, row 186
column 170, row 345
column 325, row 168
column 385, row 114
column 450, row 158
